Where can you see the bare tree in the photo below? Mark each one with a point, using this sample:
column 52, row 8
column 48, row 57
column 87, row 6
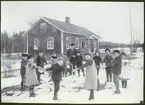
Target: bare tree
column 136, row 41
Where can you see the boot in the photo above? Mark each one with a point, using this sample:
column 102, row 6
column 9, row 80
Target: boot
column 91, row 95
column 55, row 97
column 30, row 91
column 33, row 94
column 117, row 92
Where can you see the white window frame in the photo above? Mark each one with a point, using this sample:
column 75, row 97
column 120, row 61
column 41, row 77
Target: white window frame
column 68, row 39
column 77, row 44
column 50, row 43
column 36, row 43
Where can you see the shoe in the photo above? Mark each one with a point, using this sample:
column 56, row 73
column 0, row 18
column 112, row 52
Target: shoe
column 91, row 98
column 55, row 97
column 117, row 92
column 33, row 95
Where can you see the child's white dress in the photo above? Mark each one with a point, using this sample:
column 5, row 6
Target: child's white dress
column 125, row 69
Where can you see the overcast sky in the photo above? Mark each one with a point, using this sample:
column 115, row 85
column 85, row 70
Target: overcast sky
column 110, row 19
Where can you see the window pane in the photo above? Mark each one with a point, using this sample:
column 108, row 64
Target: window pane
column 50, row 43
column 36, row 43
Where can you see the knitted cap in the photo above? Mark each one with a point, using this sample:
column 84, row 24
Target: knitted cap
column 24, row 55
column 60, row 58
column 30, row 56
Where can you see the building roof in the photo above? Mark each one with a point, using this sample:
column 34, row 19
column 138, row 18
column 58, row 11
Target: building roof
column 70, row 28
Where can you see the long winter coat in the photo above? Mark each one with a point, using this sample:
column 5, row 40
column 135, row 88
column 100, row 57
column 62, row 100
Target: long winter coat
column 125, row 69
column 31, row 77
column 23, row 67
column 91, row 75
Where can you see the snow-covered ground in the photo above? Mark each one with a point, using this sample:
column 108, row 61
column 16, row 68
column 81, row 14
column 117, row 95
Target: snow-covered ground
column 71, row 90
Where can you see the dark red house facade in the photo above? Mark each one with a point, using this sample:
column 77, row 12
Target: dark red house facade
column 52, row 35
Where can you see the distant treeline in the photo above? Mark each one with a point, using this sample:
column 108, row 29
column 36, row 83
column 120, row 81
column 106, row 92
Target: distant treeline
column 111, row 45
column 14, row 43
column 17, row 43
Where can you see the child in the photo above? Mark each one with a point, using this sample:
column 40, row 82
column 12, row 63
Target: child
column 40, row 60
column 97, row 60
column 91, row 75
column 31, row 77
column 53, row 59
column 116, row 69
column 66, row 64
column 57, row 75
column 124, row 74
column 23, row 70
column 108, row 58
column 79, row 62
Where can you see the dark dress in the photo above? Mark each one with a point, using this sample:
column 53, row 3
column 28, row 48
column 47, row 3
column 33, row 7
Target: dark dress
column 23, row 72
column 79, row 62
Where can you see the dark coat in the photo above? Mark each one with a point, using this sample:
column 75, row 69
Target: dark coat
column 40, row 61
column 56, row 71
column 71, row 53
column 79, row 60
column 107, row 60
column 97, row 60
column 116, row 65
column 23, row 67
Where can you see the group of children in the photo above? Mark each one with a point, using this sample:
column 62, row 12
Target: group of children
column 30, row 70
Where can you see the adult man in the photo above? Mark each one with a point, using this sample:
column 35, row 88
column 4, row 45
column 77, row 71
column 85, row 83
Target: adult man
column 40, row 62
column 71, row 54
column 116, row 69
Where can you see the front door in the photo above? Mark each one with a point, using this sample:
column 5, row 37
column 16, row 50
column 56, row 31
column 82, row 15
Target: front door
column 91, row 44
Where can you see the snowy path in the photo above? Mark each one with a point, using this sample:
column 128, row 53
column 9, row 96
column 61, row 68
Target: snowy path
column 69, row 92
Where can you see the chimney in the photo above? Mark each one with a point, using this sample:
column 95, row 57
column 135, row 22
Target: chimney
column 67, row 20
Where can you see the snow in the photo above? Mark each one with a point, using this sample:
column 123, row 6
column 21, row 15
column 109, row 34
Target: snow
column 71, row 88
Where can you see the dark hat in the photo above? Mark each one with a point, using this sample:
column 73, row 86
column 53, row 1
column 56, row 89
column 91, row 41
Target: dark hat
column 60, row 58
column 30, row 56
column 78, row 52
column 41, row 51
column 123, row 53
column 24, row 55
column 107, row 49
column 96, row 52
column 72, row 44
column 116, row 51
column 87, row 54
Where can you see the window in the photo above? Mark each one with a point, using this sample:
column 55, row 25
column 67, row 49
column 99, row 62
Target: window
column 68, row 42
column 77, row 43
column 50, row 43
column 43, row 27
column 36, row 43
